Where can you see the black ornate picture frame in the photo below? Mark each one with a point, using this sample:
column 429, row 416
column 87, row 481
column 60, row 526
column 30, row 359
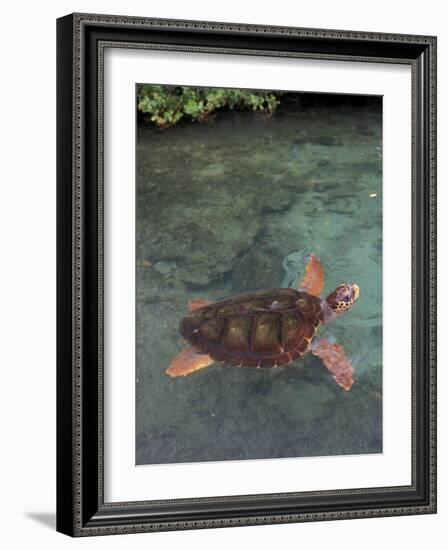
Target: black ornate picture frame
column 81, row 508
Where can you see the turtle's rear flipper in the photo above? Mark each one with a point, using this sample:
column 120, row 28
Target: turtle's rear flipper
column 188, row 361
column 197, row 303
column 314, row 280
column 334, row 358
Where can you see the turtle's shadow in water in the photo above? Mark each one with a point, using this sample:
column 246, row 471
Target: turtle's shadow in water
column 307, row 370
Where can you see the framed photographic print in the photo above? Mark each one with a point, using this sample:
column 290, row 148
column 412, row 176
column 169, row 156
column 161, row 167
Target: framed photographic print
column 246, row 274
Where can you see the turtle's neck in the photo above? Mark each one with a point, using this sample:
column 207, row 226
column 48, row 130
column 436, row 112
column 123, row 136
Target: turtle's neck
column 328, row 314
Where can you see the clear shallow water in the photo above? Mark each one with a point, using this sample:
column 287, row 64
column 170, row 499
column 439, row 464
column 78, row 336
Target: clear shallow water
column 229, row 206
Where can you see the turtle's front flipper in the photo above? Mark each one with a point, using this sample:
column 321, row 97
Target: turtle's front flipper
column 314, row 280
column 334, row 358
column 188, row 361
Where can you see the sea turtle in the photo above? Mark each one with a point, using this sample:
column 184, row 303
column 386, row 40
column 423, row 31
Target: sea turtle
column 267, row 328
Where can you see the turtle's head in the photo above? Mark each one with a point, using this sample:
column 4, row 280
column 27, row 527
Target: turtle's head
column 342, row 299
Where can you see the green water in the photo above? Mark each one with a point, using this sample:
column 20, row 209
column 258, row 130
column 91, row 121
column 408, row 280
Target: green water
column 236, row 204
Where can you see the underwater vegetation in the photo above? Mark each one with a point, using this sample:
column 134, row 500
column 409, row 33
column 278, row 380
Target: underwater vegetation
column 166, row 105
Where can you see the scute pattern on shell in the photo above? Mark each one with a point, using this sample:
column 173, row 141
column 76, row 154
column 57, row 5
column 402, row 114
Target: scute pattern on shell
column 259, row 329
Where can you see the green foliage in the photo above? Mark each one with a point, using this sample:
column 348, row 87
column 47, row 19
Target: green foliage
column 166, row 105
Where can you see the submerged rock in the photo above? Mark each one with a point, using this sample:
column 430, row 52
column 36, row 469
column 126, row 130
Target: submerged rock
column 262, row 266
column 293, row 265
column 259, row 268
column 165, row 267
